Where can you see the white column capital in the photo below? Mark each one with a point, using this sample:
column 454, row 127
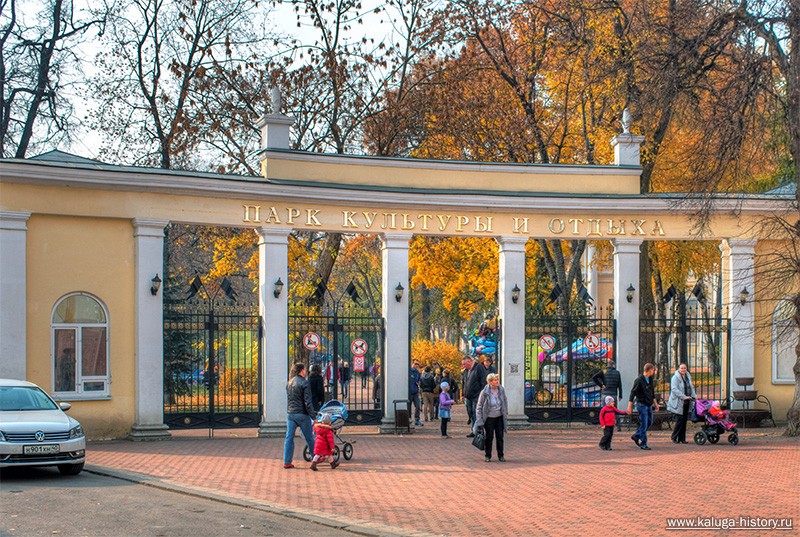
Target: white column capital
column 149, row 227
column 512, row 244
column 627, row 246
column 738, row 246
column 272, row 235
column 395, row 240
column 12, row 220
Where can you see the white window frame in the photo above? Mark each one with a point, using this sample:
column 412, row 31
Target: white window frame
column 79, row 393
column 781, row 328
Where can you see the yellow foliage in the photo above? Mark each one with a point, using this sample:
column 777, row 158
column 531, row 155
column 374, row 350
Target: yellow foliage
column 465, row 269
column 446, row 354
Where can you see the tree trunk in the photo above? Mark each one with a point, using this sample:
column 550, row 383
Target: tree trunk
column 793, row 416
column 42, row 78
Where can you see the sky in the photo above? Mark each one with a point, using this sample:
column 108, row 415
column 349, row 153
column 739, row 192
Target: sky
column 87, row 142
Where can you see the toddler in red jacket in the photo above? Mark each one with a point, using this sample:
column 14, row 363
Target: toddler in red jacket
column 324, row 443
column 608, row 418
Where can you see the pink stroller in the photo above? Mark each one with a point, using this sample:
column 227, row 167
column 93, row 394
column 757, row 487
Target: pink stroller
column 713, row 427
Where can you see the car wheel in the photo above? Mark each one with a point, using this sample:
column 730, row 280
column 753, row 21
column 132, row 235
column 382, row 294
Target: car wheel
column 70, row 469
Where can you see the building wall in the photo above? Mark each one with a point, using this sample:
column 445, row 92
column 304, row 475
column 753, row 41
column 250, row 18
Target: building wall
column 780, row 395
column 95, row 256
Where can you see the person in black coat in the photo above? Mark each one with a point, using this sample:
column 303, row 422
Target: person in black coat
column 473, row 385
column 299, row 413
column 610, row 381
column 317, row 384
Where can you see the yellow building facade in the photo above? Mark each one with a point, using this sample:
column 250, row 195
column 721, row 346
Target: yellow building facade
column 81, row 242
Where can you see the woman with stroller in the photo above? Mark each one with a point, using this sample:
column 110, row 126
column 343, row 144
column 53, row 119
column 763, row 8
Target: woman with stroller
column 681, row 396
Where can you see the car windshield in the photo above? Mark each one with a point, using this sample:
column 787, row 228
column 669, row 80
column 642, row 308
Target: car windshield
column 24, row 398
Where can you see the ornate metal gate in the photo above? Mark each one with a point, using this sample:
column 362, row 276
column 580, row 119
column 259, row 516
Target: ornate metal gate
column 699, row 339
column 211, row 372
column 561, row 355
column 348, row 345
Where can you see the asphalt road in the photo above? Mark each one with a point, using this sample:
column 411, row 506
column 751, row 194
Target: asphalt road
column 40, row 501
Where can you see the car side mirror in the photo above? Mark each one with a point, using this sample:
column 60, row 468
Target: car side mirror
column 65, row 406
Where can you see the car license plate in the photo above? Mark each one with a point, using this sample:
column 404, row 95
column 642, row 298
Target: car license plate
column 45, row 449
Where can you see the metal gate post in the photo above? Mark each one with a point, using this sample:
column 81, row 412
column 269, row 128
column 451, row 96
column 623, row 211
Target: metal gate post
column 211, row 376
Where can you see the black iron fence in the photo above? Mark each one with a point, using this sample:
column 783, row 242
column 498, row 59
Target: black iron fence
column 211, row 366
column 698, row 338
column 347, row 344
column 561, row 356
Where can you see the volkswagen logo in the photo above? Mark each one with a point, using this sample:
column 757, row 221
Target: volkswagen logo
column 39, row 436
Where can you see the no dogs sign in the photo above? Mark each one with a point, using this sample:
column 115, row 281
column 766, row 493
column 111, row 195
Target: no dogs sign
column 359, row 347
column 311, row 341
column 547, row 342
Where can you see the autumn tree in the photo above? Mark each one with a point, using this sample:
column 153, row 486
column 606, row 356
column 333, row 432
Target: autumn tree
column 38, row 64
column 345, row 78
column 157, row 55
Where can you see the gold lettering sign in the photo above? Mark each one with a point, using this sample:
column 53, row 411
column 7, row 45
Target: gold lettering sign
column 447, row 223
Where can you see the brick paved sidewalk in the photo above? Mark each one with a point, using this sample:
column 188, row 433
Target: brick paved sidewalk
column 556, row 481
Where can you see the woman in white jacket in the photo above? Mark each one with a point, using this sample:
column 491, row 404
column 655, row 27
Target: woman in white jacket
column 491, row 415
column 681, row 395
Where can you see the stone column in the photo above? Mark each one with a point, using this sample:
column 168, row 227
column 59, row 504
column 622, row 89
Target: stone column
column 626, row 273
column 738, row 257
column 13, row 316
column 512, row 335
column 396, row 365
column 148, row 238
column 273, row 256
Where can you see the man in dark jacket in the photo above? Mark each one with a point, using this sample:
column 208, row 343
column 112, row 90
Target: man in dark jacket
column 474, row 383
column 413, row 390
column 299, row 413
column 643, row 392
column 609, row 381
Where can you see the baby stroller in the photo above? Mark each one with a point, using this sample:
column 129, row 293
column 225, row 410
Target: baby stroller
column 338, row 414
column 713, row 427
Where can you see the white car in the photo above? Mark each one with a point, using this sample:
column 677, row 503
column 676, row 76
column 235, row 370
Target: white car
column 34, row 431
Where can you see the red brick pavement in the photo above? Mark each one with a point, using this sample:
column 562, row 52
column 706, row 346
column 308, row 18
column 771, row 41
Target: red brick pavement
column 556, row 481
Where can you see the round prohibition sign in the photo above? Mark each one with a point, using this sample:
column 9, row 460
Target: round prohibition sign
column 359, row 347
column 592, row 342
column 547, row 342
column 311, row 341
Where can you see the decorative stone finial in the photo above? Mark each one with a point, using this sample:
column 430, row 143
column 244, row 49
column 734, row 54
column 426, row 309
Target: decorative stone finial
column 626, row 121
column 276, row 100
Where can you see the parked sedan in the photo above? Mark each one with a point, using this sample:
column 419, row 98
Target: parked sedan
column 34, row 431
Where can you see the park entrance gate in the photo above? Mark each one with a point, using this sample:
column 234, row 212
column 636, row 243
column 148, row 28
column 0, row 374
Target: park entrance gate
column 346, row 342
column 561, row 356
column 211, row 366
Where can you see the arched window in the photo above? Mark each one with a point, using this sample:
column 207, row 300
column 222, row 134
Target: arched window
column 784, row 340
column 80, row 347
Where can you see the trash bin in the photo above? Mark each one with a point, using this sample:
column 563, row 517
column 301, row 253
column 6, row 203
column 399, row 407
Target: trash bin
column 402, row 416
